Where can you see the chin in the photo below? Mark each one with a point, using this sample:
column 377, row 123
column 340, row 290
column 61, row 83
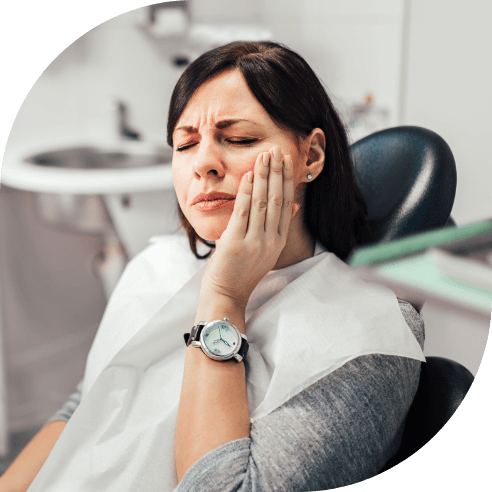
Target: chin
column 211, row 229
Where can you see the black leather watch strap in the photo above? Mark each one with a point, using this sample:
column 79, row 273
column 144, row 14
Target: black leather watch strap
column 244, row 348
column 194, row 335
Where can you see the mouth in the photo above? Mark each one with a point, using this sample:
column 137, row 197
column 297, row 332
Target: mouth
column 211, row 205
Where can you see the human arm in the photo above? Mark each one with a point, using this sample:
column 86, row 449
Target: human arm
column 27, row 464
column 340, row 430
column 213, row 407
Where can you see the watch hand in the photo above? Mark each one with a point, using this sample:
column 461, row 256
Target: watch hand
column 220, row 335
column 225, row 342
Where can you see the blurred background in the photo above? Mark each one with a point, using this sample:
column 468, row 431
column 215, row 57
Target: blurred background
column 86, row 178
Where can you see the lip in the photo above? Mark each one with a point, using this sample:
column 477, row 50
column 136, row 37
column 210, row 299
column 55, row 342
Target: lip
column 211, row 205
column 210, row 197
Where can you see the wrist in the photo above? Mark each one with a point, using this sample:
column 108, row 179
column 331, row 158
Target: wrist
column 213, row 306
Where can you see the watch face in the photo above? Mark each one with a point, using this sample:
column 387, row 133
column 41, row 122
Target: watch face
column 220, row 339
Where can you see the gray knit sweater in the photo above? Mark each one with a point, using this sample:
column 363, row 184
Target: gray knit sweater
column 338, row 431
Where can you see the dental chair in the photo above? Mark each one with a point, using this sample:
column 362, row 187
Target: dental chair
column 407, row 176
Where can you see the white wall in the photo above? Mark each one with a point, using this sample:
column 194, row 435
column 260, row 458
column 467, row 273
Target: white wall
column 447, row 89
column 449, row 74
column 354, row 46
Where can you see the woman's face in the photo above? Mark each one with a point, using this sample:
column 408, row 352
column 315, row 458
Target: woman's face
column 216, row 141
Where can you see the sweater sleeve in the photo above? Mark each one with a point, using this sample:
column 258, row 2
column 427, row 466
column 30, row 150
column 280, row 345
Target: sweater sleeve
column 339, row 431
column 66, row 411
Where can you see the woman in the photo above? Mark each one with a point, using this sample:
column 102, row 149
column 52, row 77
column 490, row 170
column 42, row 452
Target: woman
column 263, row 176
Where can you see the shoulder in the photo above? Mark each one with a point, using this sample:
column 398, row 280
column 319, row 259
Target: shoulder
column 343, row 428
column 414, row 321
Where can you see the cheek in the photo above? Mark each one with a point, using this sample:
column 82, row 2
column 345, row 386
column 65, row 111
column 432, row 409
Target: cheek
column 179, row 182
column 240, row 163
column 249, row 161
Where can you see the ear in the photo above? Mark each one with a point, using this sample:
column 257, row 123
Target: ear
column 316, row 144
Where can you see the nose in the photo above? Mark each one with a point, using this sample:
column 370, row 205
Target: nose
column 208, row 162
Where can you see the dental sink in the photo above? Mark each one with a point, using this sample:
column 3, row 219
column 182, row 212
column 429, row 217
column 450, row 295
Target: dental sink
column 122, row 191
column 87, row 157
column 95, row 168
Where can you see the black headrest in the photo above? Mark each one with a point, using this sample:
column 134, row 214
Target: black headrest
column 407, row 176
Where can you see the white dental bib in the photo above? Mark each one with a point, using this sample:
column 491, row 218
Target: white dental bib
column 302, row 323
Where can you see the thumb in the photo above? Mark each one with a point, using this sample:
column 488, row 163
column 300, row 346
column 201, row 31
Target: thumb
column 295, row 209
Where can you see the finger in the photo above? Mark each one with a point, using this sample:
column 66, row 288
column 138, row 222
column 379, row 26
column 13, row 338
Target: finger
column 275, row 192
column 238, row 223
column 288, row 197
column 259, row 198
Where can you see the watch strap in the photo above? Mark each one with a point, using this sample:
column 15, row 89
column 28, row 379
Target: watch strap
column 195, row 333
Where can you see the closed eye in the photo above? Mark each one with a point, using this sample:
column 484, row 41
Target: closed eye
column 244, row 141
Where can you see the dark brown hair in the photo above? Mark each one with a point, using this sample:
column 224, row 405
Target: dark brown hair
column 294, row 97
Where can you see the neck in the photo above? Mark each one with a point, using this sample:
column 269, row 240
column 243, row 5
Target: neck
column 300, row 245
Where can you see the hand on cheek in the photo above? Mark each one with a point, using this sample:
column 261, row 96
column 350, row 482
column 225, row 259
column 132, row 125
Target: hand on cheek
column 257, row 230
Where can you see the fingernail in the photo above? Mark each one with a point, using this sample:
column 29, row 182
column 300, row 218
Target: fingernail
column 266, row 158
column 250, row 176
column 288, row 162
column 277, row 155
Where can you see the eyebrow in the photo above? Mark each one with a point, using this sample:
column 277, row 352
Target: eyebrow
column 220, row 125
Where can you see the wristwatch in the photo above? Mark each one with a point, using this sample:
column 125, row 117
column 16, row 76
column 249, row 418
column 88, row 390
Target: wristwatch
column 218, row 339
